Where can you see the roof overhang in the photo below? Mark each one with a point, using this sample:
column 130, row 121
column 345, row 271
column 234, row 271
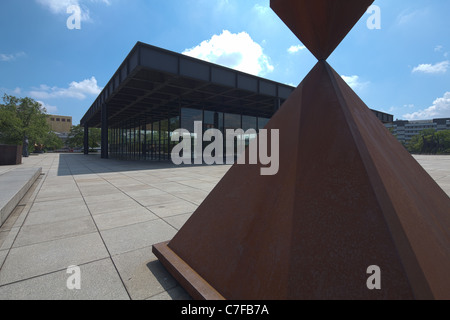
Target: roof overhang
column 154, row 83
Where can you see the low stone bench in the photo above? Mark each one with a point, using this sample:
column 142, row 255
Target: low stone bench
column 14, row 185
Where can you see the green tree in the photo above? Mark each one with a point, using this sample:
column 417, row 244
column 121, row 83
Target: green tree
column 443, row 138
column 20, row 118
column 391, row 130
column 10, row 126
column 430, row 141
column 76, row 137
column 415, row 144
column 429, row 144
column 52, row 142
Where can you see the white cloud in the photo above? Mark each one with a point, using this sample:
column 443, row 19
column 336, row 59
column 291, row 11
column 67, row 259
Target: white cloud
column 395, row 109
column 48, row 108
column 438, row 48
column 11, row 57
column 440, row 67
column 77, row 90
column 221, row 4
column 354, row 82
column 237, row 51
column 262, row 10
column 413, row 16
column 439, row 109
column 295, row 49
column 264, row 18
column 406, row 17
column 14, row 92
column 60, row 6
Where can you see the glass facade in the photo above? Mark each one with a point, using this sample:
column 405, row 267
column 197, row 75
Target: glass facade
column 262, row 122
column 250, row 127
column 145, row 139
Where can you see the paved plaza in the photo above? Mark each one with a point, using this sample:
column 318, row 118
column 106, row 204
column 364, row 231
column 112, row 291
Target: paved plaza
column 104, row 216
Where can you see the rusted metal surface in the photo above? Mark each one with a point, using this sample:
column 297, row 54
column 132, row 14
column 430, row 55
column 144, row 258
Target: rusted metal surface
column 10, row 155
column 347, row 196
column 320, row 24
column 195, row 285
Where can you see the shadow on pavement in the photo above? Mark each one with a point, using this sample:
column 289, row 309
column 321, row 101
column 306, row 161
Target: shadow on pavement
column 167, row 282
column 79, row 164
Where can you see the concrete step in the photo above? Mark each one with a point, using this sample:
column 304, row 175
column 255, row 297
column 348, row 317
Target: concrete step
column 14, row 184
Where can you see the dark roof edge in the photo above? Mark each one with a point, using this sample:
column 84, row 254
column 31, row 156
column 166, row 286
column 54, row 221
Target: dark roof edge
column 139, row 45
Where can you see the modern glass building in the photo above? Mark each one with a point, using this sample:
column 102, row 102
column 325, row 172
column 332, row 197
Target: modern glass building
column 155, row 91
column 404, row 130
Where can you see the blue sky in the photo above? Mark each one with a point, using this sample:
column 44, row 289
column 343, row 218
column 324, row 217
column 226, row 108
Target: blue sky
column 402, row 68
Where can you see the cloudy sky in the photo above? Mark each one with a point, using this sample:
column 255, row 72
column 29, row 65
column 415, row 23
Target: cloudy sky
column 402, row 68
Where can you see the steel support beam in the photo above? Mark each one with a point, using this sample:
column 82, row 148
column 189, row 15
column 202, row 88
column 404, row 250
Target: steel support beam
column 105, row 142
column 86, row 139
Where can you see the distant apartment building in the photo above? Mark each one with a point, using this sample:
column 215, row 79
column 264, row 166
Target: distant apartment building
column 60, row 124
column 404, row 130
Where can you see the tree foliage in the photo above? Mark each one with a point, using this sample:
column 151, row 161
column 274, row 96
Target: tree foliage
column 430, row 141
column 52, row 142
column 76, row 137
column 20, row 118
column 10, row 126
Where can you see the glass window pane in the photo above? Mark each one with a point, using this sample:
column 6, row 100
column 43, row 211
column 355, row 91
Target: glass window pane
column 248, row 123
column 249, row 126
column 174, row 124
column 189, row 116
column 262, row 122
column 232, row 121
column 164, row 139
column 208, row 121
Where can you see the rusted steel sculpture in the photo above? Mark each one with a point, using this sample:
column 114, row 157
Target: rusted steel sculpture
column 347, row 197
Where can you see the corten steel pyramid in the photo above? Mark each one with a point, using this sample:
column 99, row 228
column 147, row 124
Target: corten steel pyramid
column 347, row 196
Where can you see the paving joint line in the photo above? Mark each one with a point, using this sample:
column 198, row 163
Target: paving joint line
column 30, row 202
column 99, row 233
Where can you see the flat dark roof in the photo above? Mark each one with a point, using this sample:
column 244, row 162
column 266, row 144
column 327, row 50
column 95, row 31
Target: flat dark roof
column 155, row 82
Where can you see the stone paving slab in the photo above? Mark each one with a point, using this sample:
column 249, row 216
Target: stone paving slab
column 3, row 255
column 32, row 234
column 46, row 257
column 173, row 208
column 101, row 279
column 14, row 184
column 144, row 277
column 178, row 221
column 56, row 211
column 137, row 236
column 8, row 238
